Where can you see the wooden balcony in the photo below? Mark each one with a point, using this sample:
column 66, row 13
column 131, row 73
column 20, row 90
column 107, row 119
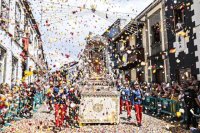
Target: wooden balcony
column 132, row 59
column 156, row 48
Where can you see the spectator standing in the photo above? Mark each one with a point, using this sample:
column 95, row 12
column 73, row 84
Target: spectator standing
column 56, row 105
column 49, row 96
column 31, row 91
column 182, row 89
column 191, row 102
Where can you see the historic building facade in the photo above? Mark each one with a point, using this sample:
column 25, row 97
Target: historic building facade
column 154, row 42
column 196, row 29
column 126, row 50
column 182, row 20
column 169, row 35
column 21, row 49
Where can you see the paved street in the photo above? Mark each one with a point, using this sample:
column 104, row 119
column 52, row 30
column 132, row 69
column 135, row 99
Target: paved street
column 42, row 122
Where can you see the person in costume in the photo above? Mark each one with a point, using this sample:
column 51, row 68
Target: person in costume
column 59, row 99
column 119, row 88
column 56, row 105
column 125, row 96
column 73, row 108
column 137, row 102
column 49, row 95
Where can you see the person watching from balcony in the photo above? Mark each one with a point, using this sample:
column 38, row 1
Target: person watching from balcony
column 179, row 25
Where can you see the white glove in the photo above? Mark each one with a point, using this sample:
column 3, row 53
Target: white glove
column 72, row 105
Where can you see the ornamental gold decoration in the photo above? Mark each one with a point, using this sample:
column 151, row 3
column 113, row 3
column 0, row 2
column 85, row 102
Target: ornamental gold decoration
column 98, row 107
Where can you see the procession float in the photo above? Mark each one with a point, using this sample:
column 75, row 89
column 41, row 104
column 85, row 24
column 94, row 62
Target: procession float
column 99, row 99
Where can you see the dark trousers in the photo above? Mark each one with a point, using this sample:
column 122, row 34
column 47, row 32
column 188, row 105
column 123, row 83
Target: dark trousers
column 191, row 118
column 73, row 116
column 30, row 103
column 49, row 102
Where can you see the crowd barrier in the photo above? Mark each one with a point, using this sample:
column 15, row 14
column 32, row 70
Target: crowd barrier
column 17, row 105
column 161, row 105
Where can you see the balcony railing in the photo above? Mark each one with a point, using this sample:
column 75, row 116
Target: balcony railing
column 135, row 55
column 156, row 48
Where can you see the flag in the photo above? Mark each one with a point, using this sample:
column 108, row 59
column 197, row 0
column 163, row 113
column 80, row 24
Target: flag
column 173, row 50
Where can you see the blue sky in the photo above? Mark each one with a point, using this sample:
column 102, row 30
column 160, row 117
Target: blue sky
column 65, row 24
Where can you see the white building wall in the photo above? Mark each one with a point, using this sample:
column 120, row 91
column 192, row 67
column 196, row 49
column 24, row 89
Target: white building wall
column 196, row 29
column 6, row 44
column 11, row 50
column 12, row 17
column 34, row 56
column 14, row 48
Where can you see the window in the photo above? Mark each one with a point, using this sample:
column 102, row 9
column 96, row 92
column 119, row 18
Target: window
column 113, row 31
column 156, row 39
column 132, row 41
column 24, row 66
column 31, row 37
column 26, row 29
column 36, row 43
column 156, row 33
column 35, row 46
column 17, row 14
column 121, row 45
column 118, row 46
column 14, row 68
column 159, row 76
column 2, row 64
column 179, row 14
column 4, row 14
column 184, row 74
column 17, row 21
column 127, row 44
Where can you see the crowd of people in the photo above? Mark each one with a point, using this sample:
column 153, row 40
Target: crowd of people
column 186, row 93
column 63, row 98
column 17, row 101
column 131, row 96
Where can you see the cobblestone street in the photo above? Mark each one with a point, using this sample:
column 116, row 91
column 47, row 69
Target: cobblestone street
column 43, row 122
